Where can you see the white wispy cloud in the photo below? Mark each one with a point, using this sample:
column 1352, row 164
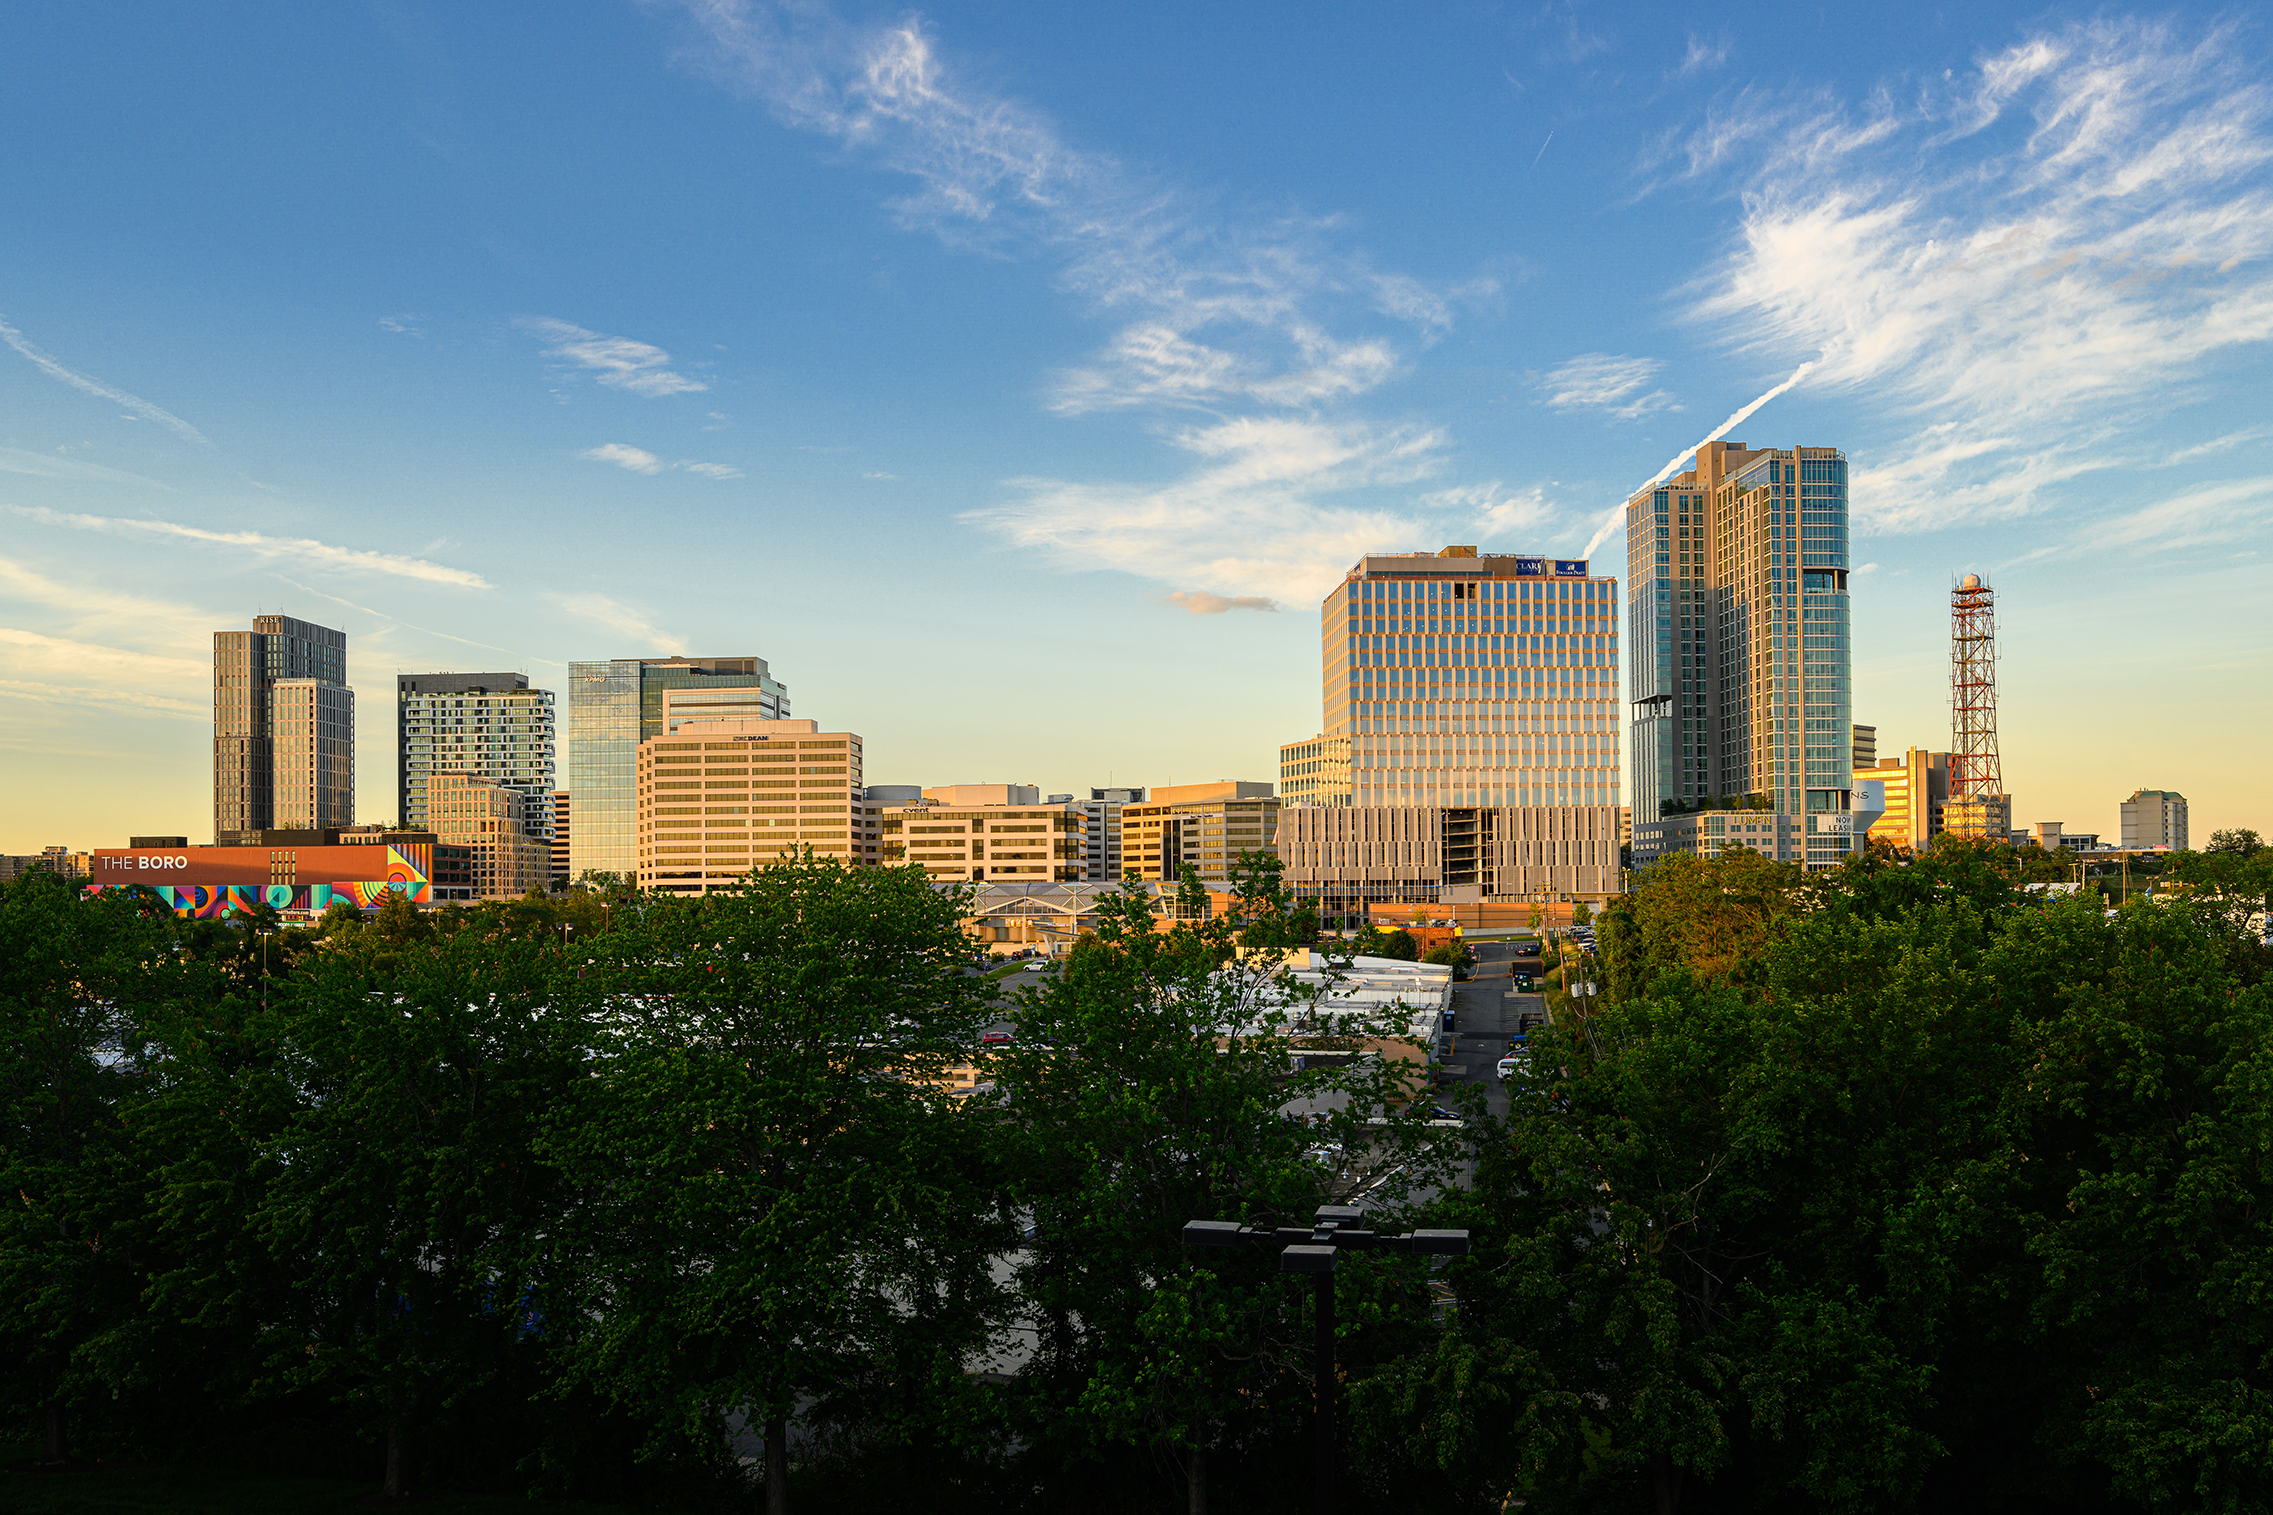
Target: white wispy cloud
column 1256, row 515
column 635, row 367
column 627, row 621
column 1609, row 382
column 303, row 550
column 405, row 325
column 85, row 696
column 36, row 652
column 1240, row 318
column 637, row 459
column 890, row 477
column 2030, row 297
column 44, row 466
column 134, row 404
column 84, row 603
column 1200, row 602
column 640, row 460
column 2228, row 511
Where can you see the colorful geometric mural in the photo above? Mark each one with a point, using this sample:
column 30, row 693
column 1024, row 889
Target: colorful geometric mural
column 404, row 876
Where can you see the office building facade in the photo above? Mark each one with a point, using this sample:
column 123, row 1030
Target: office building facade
column 990, row 833
column 303, row 666
column 497, row 854
column 1315, row 772
column 562, row 821
column 1101, row 832
column 2154, row 818
column 613, row 707
column 1463, row 679
column 1917, row 794
column 1349, row 858
column 489, row 726
column 1205, row 827
column 1739, row 660
column 718, row 798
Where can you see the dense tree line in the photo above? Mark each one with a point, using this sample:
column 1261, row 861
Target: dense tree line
column 1907, row 1187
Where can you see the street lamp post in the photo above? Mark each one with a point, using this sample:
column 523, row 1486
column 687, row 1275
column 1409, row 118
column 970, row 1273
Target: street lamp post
column 1333, row 1230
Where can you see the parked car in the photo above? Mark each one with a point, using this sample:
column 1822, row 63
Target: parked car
column 1036, row 967
column 995, row 1038
column 1509, row 1064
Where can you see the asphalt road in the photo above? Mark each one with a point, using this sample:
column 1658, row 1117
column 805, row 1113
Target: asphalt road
column 1485, row 1015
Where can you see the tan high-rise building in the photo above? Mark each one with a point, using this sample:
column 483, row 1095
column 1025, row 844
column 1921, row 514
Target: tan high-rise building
column 1203, row 826
column 503, row 860
column 1315, row 772
column 993, row 833
column 307, row 782
column 719, row 798
column 1740, row 672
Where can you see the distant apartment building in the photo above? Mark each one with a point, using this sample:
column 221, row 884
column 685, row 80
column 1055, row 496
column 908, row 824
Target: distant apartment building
column 2052, row 836
column 613, row 707
column 1315, row 771
column 1739, row 665
column 561, row 822
column 990, row 833
column 715, row 799
column 61, row 861
column 2154, row 818
column 490, row 726
column 1101, row 832
column 1863, row 742
column 488, row 825
column 1917, row 792
column 1205, row 827
column 283, row 728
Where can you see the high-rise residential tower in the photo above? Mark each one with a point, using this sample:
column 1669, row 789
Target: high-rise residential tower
column 614, row 706
column 489, row 726
column 1739, row 663
column 1464, row 679
column 283, row 729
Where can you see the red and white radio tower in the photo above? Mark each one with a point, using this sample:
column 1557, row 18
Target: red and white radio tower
column 1973, row 765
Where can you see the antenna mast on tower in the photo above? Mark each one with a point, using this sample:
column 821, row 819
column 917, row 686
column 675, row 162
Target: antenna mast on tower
column 1973, row 764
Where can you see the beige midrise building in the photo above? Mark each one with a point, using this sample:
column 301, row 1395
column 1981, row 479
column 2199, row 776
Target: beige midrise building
column 987, row 832
column 1204, row 825
column 1348, row 858
column 497, row 824
column 717, row 798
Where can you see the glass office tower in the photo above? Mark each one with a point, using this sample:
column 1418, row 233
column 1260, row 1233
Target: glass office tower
column 613, row 706
column 1462, row 679
column 1740, row 665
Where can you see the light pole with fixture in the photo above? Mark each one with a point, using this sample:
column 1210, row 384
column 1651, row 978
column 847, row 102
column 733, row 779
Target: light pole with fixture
column 1333, row 1230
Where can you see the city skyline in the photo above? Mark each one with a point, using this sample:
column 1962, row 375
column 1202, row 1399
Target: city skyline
column 867, row 343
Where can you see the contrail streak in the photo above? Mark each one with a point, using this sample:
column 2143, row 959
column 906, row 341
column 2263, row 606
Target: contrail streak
column 1616, row 515
column 99, row 389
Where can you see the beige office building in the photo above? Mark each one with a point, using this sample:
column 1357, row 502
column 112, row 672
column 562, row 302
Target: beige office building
column 717, row 798
column 1349, row 858
column 1205, row 826
column 491, row 822
column 1917, row 792
column 991, row 833
column 2154, row 818
column 1315, row 772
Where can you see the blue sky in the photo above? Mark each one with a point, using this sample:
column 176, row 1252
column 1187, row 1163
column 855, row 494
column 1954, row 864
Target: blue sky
column 1017, row 379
